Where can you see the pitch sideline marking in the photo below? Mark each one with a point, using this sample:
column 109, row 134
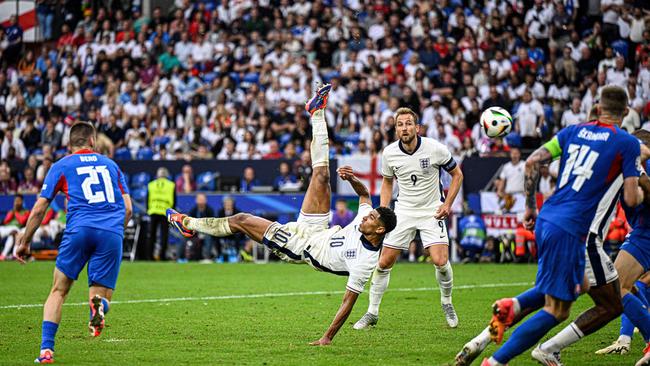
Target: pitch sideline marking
column 279, row 294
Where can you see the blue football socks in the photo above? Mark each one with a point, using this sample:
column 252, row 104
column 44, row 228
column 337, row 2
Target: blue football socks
column 531, row 299
column 49, row 332
column 637, row 313
column 526, row 336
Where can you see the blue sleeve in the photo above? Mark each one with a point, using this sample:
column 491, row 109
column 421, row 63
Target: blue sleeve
column 564, row 135
column 54, row 182
column 631, row 158
column 121, row 182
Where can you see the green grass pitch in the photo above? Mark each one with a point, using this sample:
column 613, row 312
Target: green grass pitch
column 295, row 305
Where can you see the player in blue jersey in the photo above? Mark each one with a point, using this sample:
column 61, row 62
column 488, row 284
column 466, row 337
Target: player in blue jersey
column 98, row 209
column 592, row 156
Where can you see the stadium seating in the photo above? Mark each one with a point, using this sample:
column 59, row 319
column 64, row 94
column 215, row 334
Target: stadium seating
column 140, row 180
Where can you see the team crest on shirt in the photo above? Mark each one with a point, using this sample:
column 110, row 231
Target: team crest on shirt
column 351, row 253
column 425, row 163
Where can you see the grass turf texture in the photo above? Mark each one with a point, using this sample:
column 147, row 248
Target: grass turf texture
column 267, row 330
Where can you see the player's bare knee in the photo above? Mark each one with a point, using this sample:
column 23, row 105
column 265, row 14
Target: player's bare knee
column 439, row 261
column 239, row 219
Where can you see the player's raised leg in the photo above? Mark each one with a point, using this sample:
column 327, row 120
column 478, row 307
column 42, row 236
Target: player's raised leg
column 252, row 226
column 52, row 315
column 316, row 203
column 317, row 199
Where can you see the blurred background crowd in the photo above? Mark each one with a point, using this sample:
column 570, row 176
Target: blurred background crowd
column 228, row 80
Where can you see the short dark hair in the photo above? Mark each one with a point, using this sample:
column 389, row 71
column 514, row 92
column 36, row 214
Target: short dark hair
column 613, row 100
column 388, row 218
column 80, row 132
column 643, row 136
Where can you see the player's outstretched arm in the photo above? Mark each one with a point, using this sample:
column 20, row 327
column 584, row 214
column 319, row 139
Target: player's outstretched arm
column 34, row 221
column 128, row 209
column 346, row 173
column 349, row 299
column 540, row 156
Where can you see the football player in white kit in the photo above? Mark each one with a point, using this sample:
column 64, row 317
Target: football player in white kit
column 416, row 163
column 351, row 251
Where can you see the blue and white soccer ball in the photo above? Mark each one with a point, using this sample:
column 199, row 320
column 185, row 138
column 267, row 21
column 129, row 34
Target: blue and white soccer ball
column 496, row 122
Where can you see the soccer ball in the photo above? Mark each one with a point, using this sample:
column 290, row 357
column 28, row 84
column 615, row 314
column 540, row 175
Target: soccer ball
column 496, row 122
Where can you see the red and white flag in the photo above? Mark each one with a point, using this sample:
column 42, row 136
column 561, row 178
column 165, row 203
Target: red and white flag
column 26, row 17
column 367, row 169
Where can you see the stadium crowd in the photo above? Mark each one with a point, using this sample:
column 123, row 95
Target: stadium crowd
column 227, row 80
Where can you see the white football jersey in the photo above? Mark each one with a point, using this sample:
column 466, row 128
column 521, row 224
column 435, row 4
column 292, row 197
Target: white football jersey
column 345, row 251
column 418, row 174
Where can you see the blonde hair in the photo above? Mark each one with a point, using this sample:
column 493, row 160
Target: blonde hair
column 405, row 110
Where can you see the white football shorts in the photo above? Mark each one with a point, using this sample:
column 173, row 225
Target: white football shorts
column 432, row 231
column 599, row 268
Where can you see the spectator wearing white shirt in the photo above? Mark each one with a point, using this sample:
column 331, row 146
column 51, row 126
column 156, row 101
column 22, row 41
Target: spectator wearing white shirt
column 134, row 107
column 538, row 19
column 10, row 141
column 500, row 66
column 70, row 100
column 576, row 45
column 528, row 119
column 436, row 107
column 277, row 57
column 338, row 95
column 202, row 50
column 620, row 74
column 574, row 115
column 183, row 48
column 511, row 178
column 546, row 182
column 312, row 33
column 609, row 62
column 352, row 66
column 611, row 10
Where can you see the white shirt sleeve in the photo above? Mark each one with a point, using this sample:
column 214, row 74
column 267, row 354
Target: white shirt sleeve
column 441, row 155
column 358, row 279
column 386, row 171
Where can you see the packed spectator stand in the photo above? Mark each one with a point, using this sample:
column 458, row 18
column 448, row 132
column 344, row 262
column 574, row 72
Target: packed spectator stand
column 228, row 79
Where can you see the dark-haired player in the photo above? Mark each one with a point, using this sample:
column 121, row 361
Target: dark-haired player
column 592, row 157
column 351, row 251
column 98, row 209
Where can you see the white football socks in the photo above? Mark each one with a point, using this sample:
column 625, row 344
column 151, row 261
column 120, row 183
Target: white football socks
column 320, row 151
column 378, row 286
column 215, row 226
column 567, row 336
column 445, row 277
column 482, row 340
column 624, row 339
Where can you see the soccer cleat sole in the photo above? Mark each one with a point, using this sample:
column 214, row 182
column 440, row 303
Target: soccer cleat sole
column 319, row 100
column 178, row 225
column 96, row 324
